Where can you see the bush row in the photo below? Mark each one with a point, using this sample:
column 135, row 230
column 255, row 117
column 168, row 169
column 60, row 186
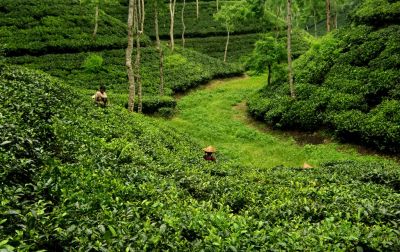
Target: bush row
column 57, row 26
column 122, row 181
column 203, row 26
column 183, row 69
column 125, row 181
column 377, row 13
column 347, row 83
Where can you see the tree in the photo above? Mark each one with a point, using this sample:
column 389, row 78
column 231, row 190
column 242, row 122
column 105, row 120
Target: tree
column 139, row 20
column 158, row 45
column 96, row 4
column 328, row 15
column 315, row 7
column 183, row 23
column 128, row 56
column 197, row 9
column 135, row 27
column 289, row 48
column 267, row 52
column 172, row 4
column 230, row 15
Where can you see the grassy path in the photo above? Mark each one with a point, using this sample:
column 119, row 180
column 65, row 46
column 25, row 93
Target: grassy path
column 215, row 115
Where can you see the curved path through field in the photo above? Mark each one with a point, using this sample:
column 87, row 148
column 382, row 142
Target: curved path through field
column 215, row 114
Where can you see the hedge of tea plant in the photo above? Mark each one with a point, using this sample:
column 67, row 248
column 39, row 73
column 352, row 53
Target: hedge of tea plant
column 183, row 69
column 347, row 83
column 79, row 177
column 204, row 26
column 57, row 26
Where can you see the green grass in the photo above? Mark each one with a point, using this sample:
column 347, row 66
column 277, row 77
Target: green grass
column 209, row 116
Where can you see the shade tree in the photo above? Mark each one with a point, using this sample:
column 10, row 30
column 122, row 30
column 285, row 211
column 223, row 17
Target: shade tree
column 96, row 4
column 230, row 15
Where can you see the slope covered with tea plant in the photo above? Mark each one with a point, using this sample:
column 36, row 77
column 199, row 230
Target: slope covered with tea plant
column 81, row 177
column 56, row 37
column 347, row 83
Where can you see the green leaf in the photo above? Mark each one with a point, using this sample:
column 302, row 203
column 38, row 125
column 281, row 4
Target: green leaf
column 114, row 234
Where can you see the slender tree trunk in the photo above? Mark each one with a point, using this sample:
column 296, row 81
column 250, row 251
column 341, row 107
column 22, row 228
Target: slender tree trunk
column 183, row 23
column 139, row 19
column 335, row 20
column 226, row 46
column 315, row 23
column 289, row 48
column 328, row 15
column 96, row 21
column 217, row 5
column 197, row 9
column 269, row 75
column 128, row 57
column 159, row 48
column 278, row 13
column 171, row 29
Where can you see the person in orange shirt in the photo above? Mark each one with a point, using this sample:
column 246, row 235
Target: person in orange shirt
column 100, row 97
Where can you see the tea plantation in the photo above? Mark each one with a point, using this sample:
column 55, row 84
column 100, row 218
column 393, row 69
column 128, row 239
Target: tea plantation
column 78, row 177
column 348, row 83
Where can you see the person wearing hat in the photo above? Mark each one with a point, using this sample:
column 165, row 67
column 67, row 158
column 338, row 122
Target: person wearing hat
column 208, row 153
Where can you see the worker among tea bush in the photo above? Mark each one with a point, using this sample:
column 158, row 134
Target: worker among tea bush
column 209, row 153
column 100, row 97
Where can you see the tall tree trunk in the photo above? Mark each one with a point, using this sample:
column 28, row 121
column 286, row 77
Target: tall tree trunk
column 217, row 5
column 96, row 20
column 159, row 48
column 171, row 29
column 328, row 15
column 315, row 23
column 289, row 48
column 197, row 9
column 269, row 75
column 139, row 18
column 183, row 23
column 128, row 57
column 335, row 20
column 278, row 14
column 226, row 46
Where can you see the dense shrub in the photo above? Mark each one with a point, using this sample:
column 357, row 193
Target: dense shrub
column 377, row 12
column 118, row 180
column 57, row 26
column 93, row 63
column 347, row 82
column 28, row 102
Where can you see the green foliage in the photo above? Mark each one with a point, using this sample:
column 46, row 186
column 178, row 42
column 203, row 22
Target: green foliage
column 183, row 70
column 231, row 15
column 239, row 46
column 115, row 174
column 347, row 82
column 93, row 63
column 377, row 12
column 56, row 26
column 205, row 26
column 29, row 101
column 267, row 52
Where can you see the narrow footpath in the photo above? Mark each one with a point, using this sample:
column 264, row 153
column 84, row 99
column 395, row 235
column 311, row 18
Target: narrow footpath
column 215, row 114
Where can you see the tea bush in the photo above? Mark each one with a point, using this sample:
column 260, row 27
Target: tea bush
column 377, row 13
column 198, row 69
column 112, row 180
column 346, row 83
column 56, row 26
